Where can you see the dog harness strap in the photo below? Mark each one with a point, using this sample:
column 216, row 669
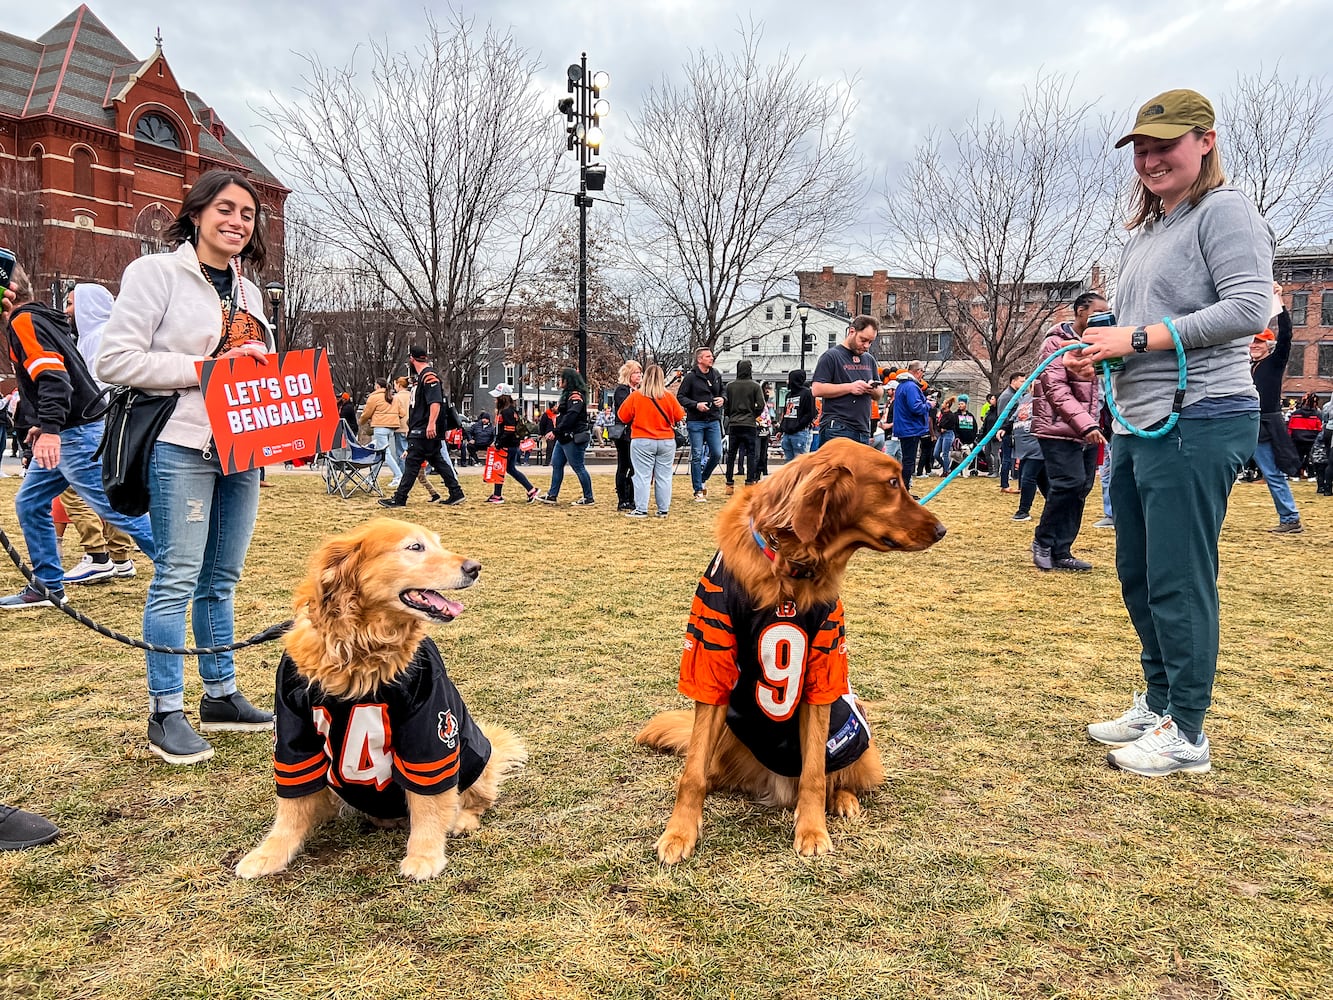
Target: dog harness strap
column 770, row 549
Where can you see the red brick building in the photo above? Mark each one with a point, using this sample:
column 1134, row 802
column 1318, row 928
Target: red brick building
column 1306, row 274
column 97, row 149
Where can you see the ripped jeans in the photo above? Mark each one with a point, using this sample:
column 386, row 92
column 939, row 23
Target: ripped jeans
column 202, row 523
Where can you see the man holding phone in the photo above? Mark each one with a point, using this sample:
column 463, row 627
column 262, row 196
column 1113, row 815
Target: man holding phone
column 847, row 378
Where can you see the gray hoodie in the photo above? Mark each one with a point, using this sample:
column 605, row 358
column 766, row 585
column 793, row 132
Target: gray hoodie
column 1210, row 269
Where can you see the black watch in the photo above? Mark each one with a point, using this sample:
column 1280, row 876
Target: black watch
column 1139, row 340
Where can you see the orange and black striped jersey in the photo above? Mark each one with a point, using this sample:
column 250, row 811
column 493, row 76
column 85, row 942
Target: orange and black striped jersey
column 762, row 663
column 414, row 734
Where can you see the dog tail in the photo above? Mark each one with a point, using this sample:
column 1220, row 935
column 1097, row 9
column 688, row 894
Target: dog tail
column 668, row 731
column 508, row 751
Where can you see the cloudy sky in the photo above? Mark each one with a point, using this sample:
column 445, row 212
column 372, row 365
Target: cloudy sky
column 919, row 63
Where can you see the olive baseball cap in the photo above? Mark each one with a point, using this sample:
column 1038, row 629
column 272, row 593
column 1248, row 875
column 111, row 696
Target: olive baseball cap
column 1171, row 115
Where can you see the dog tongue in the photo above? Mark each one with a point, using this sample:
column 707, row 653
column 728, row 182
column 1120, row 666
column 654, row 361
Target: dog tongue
column 439, row 603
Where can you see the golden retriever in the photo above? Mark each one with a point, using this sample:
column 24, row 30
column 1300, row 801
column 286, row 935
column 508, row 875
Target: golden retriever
column 783, row 548
column 366, row 714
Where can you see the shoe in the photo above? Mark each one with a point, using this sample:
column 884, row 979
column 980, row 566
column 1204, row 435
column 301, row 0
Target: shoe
column 391, row 502
column 1288, row 528
column 532, row 494
column 583, row 502
column 20, row 829
column 637, row 513
column 1041, row 557
column 173, row 739
column 1104, row 522
column 1070, row 563
column 1129, row 727
column 1162, row 751
column 125, row 567
column 495, row 498
column 1008, row 489
column 28, row 597
column 89, row 570
column 731, row 489
column 1022, row 517
column 232, row 714
column 663, row 513
column 392, row 486
column 545, row 498
column 700, row 497
column 265, row 483
column 453, row 499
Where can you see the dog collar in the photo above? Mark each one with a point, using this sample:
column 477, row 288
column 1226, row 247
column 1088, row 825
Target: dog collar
column 770, row 549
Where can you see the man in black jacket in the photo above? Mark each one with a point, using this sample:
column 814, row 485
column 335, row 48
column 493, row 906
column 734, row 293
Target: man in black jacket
column 56, row 388
column 744, row 402
column 428, row 419
column 701, row 396
column 1268, row 363
column 798, row 414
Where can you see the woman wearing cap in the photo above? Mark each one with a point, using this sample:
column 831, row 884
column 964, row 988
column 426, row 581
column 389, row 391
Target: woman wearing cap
column 1200, row 256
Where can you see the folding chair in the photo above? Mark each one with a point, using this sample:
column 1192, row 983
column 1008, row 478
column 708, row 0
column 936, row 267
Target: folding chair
column 353, row 468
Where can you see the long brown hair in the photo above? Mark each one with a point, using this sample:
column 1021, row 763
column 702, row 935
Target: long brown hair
column 1148, row 206
column 383, row 383
column 654, row 382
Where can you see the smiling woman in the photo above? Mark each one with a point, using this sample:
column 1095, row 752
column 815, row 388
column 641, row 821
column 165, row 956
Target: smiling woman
column 176, row 310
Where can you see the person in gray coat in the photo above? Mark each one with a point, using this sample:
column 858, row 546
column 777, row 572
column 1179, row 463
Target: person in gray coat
column 744, row 402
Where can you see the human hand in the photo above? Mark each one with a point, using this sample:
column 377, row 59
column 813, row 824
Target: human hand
column 7, row 303
column 250, row 349
column 701, row 406
column 1094, row 436
column 718, row 400
column 860, row 387
column 46, row 450
column 1101, row 343
column 1077, row 366
column 550, row 436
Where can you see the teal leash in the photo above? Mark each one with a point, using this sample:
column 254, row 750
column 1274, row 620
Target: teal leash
column 1176, row 405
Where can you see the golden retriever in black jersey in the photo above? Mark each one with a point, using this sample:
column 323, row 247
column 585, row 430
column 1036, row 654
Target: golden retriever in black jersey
column 366, row 713
column 765, row 658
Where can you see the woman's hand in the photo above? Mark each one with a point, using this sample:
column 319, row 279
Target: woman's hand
column 1100, row 343
column 250, row 349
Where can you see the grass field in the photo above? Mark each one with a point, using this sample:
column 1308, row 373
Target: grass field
column 1002, row 859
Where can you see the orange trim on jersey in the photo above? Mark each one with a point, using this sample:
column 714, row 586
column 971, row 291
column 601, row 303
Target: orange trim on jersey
column 420, row 780
column 36, row 358
column 296, row 768
column 412, row 768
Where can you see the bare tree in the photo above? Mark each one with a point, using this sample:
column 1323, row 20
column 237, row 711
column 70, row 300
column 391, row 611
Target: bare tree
column 740, row 170
column 21, row 228
column 1277, row 147
column 430, row 177
column 1002, row 224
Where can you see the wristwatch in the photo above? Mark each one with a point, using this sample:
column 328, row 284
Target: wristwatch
column 1139, row 340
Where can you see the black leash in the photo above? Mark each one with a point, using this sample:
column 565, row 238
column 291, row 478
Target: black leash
column 268, row 635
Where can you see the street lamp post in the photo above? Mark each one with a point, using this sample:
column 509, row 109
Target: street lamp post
column 275, row 290
column 584, row 112
column 803, row 311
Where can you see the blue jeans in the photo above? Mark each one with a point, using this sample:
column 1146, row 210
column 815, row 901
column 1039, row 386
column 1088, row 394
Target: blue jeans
column 795, row 444
column 837, row 428
column 568, row 453
column 704, row 433
column 943, row 449
column 652, row 459
column 383, row 438
column 76, row 468
column 1007, row 461
column 1105, row 473
column 1277, row 483
column 202, row 521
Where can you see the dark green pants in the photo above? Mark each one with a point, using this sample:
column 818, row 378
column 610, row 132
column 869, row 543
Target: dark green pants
column 1170, row 495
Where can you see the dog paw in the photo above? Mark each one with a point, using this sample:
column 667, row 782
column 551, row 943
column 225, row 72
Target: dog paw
column 813, row 843
column 675, row 845
column 422, row 867
column 467, row 822
column 259, row 863
column 844, row 803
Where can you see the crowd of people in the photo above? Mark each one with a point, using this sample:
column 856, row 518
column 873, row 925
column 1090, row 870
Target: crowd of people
column 1198, row 254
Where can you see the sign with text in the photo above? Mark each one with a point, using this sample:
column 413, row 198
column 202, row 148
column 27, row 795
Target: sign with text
column 262, row 414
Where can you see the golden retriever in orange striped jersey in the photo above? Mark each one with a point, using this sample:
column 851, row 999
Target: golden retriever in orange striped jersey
column 765, row 658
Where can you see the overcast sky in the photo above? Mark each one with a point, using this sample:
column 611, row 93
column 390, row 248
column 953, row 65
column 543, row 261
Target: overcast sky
column 920, row 63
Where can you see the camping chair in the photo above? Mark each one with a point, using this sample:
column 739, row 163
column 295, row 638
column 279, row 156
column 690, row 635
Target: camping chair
column 353, row 468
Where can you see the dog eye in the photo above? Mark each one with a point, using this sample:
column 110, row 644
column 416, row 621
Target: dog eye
column 893, row 483
column 416, row 547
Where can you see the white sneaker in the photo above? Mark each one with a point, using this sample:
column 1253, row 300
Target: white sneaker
column 1129, row 727
column 1162, row 751
column 124, row 567
column 88, row 571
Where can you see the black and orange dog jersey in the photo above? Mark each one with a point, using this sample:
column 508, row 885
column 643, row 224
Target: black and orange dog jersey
column 762, row 663
column 414, row 734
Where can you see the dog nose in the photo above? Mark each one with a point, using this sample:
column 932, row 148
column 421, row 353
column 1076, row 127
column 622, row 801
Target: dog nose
column 940, row 531
column 471, row 569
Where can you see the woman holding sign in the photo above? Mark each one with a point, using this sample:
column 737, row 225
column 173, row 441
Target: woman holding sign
column 174, row 311
column 507, row 440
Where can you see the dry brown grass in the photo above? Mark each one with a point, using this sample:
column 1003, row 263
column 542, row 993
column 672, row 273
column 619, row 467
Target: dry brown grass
column 1003, row 859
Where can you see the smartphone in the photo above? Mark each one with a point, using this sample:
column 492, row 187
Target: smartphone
column 7, row 262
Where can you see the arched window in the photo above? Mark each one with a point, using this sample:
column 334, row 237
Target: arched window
column 157, row 129
column 83, row 171
column 35, row 176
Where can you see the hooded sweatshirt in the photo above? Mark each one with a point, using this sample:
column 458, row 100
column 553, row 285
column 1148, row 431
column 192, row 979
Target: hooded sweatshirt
column 799, row 412
column 92, row 308
column 911, row 409
column 744, row 397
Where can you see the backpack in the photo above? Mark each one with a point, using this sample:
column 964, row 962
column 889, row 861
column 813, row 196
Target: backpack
column 521, row 427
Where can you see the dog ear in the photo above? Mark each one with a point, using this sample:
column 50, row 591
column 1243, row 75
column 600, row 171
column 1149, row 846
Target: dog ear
column 333, row 570
column 818, row 499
